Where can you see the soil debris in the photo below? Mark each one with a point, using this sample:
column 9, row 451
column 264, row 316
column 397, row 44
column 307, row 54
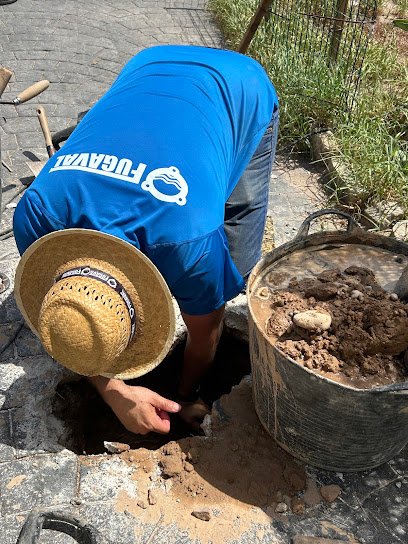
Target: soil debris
column 330, row 492
column 367, row 333
column 298, row 506
column 237, row 477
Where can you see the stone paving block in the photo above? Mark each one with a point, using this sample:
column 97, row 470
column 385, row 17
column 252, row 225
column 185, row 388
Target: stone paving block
column 123, row 528
column 28, row 345
column 19, row 66
column 101, row 478
column 10, row 385
column 28, row 77
column 10, row 526
column 8, row 142
column 8, row 334
column 7, row 355
column 12, row 126
column 7, row 451
column 27, row 140
column 8, row 308
column 35, row 430
column 46, row 480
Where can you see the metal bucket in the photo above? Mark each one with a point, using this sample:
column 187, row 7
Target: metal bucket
column 317, row 420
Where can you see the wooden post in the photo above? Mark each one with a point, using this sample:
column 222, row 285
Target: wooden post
column 254, row 24
column 340, row 15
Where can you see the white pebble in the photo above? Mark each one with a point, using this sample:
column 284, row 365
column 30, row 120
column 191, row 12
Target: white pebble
column 355, row 293
column 281, row 508
column 394, row 296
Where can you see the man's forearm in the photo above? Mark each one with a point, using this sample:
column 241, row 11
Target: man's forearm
column 197, row 361
column 202, row 340
column 106, row 386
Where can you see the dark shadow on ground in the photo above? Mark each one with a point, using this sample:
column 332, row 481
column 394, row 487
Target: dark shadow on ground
column 91, row 422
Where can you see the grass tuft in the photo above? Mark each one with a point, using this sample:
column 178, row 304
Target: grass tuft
column 372, row 140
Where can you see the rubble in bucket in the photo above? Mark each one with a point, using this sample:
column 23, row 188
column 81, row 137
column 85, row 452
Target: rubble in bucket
column 342, row 325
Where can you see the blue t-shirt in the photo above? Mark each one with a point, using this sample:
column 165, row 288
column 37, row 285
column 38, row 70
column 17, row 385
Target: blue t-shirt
column 154, row 162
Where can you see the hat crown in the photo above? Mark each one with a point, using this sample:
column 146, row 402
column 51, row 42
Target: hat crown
column 84, row 323
column 154, row 327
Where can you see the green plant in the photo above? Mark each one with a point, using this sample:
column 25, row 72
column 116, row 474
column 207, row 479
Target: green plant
column 372, row 139
column 401, row 23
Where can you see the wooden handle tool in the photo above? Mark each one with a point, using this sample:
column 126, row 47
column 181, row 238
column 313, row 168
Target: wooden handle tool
column 5, row 75
column 32, row 91
column 42, row 117
column 28, row 93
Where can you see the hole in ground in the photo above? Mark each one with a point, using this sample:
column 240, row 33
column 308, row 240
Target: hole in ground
column 88, row 421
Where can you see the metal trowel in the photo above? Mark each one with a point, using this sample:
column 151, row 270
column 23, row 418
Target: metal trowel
column 37, row 166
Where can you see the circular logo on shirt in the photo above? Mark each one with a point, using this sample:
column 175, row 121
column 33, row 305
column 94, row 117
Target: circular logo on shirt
column 167, row 184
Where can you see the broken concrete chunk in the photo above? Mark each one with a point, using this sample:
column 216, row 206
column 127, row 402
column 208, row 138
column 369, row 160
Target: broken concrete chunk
column 313, row 320
column 116, row 447
column 204, row 516
column 330, row 492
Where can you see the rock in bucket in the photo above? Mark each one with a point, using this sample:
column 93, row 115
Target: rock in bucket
column 313, row 320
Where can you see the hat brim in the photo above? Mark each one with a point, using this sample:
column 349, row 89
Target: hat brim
column 35, row 276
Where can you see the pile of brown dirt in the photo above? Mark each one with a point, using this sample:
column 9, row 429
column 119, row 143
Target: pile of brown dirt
column 368, row 335
column 220, row 484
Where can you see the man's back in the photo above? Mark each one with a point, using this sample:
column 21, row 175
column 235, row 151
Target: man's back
column 156, row 158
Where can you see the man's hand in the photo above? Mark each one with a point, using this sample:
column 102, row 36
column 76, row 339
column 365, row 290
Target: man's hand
column 139, row 409
column 193, row 413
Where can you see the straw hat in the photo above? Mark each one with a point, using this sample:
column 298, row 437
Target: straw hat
column 99, row 305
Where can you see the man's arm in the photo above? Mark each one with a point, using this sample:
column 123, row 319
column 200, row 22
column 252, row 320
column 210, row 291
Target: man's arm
column 139, row 409
column 204, row 332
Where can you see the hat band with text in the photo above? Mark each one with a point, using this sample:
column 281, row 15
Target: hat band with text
column 113, row 283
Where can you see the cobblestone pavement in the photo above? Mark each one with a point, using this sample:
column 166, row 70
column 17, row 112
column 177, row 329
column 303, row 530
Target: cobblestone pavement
column 80, row 48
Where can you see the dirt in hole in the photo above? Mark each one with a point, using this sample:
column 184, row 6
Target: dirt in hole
column 363, row 345
column 89, row 421
column 218, row 484
column 221, row 484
